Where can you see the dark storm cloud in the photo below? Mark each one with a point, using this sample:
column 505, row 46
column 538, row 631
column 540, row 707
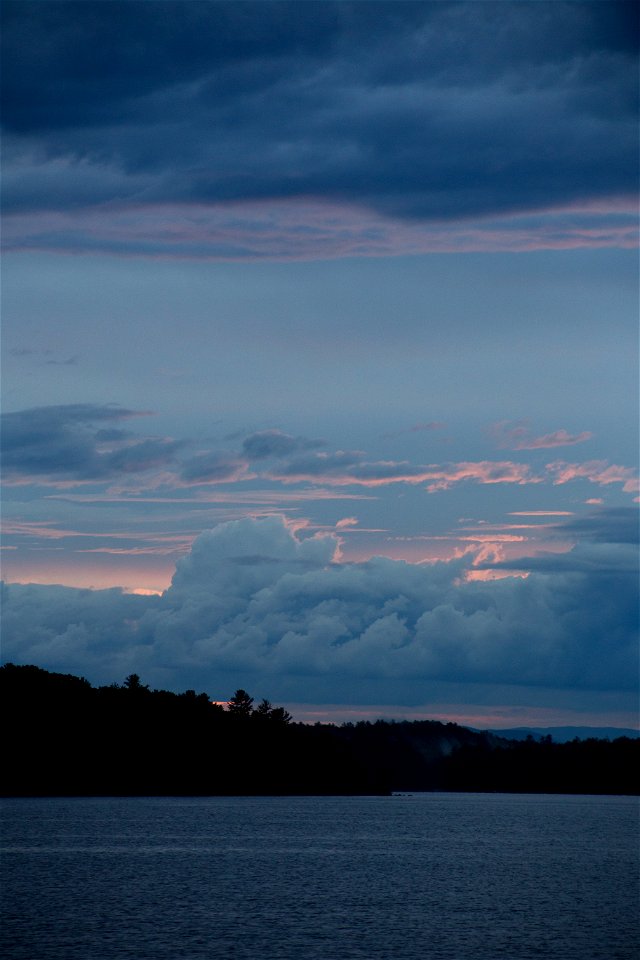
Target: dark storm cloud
column 419, row 110
column 253, row 600
column 61, row 443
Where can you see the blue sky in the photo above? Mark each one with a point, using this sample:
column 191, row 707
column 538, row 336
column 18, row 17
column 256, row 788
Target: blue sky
column 320, row 353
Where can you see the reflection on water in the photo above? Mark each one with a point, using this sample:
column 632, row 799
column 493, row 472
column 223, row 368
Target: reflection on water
column 424, row 877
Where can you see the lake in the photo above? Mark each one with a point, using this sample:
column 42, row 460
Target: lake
column 419, row 877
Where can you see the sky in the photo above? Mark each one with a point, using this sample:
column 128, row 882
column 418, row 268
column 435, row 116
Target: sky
column 320, row 353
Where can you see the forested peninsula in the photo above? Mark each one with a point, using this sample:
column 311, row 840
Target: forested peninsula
column 64, row 737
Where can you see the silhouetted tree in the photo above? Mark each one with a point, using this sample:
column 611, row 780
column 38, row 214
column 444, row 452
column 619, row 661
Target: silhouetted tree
column 280, row 715
column 266, row 711
column 240, row 704
column 263, row 709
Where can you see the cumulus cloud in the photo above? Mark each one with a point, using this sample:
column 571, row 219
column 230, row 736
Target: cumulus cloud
column 252, row 600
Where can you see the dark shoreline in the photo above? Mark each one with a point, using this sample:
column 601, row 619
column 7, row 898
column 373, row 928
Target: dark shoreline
column 65, row 738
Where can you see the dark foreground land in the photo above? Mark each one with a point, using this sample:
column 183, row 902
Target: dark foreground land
column 61, row 736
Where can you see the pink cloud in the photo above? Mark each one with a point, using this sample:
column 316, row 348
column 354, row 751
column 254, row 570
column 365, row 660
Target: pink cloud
column 307, row 228
column 484, row 472
column 516, row 435
column 596, row 471
column 541, row 513
column 485, row 575
column 513, row 526
column 346, row 522
column 493, row 538
column 345, row 468
column 141, row 551
column 46, row 530
column 558, row 439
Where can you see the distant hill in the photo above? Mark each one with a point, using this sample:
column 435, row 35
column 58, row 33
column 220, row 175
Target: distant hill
column 565, row 734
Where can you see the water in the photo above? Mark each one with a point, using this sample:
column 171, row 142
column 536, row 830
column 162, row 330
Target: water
column 424, row 877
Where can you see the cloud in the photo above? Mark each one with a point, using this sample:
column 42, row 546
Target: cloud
column 607, row 545
column 22, row 352
column 346, row 523
column 540, row 513
column 254, row 603
column 610, row 525
column 298, row 228
column 516, row 435
column 484, row 471
column 609, row 562
column 427, row 113
column 60, row 444
column 267, row 444
column 68, row 444
column 344, row 468
column 596, row 471
column 427, row 427
column 213, row 468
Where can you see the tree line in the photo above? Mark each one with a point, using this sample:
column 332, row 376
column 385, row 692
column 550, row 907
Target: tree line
column 62, row 736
